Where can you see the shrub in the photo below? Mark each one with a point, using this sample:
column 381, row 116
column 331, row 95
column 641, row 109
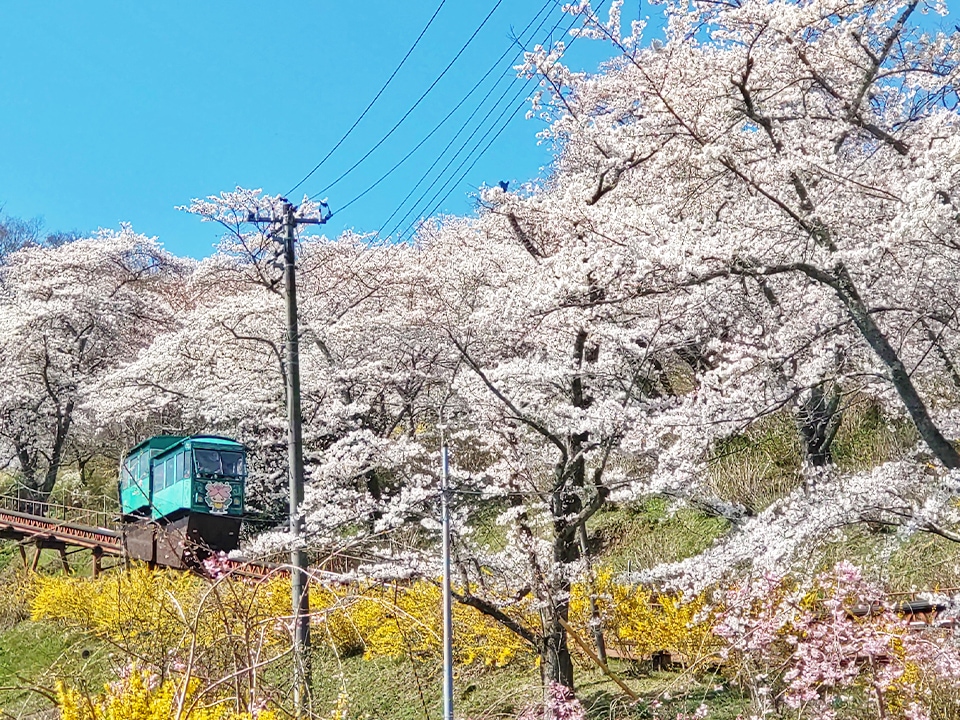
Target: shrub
column 804, row 646
column 647, row 622
column 141, row 696
column 405, row 620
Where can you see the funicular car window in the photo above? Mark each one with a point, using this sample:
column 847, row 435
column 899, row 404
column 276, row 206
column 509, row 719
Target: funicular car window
column 132, row 476
column 232, row 463
column 208, row 462
column 129, row 472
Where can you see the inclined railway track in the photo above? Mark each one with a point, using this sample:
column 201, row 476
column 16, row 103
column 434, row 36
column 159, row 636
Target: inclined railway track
column 30, row 528
column 56, row 527
column 52, row 526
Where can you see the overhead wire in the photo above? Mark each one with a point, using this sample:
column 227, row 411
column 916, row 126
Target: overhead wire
column 436, row 207
column 456, row 154
column 436, row 128
column 463, row 127
column 372, row 102
column 512, row 111
column 522, row 91
column 412, row 107
column 453, row 158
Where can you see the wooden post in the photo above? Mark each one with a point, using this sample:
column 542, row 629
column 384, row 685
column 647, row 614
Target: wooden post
column 97, row 555
column 592, row 582
column 600, row 663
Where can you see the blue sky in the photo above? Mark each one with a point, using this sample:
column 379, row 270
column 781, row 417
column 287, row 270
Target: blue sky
column 118, row 111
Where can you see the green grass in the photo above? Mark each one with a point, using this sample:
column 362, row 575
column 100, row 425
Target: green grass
column 866, row 438
column 643, row 535
column 397, row 689
column 921, row 561
column 760, row 466
column 34, row 656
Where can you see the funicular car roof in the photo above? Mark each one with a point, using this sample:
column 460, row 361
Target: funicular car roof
column 204, row 442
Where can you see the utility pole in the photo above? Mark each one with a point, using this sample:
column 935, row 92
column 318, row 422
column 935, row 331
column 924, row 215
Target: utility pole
column 299, row 579
column 447, row 603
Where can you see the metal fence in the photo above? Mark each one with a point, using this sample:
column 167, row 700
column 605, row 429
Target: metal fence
column 104, row 514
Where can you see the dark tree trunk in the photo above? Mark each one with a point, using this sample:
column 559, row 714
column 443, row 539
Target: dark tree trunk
column 818, row 419
column 64, row 421
column 845, row 288
column 556, row 665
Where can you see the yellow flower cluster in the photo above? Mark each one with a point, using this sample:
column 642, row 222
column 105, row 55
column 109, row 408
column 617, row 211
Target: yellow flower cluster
column 143, row 607
column 404, row 620
column 138, row 698
column 162, row 611
column 643, row 623
column 179, row 623
column 159, row 611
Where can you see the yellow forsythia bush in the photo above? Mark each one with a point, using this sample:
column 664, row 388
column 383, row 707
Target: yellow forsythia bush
column 642, row 621
column 143, row 607
column 158, row 611
column 402, row 620
column 160, row 614
column 140, row 697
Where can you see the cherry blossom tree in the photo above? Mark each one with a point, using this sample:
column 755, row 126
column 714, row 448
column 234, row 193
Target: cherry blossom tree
column 835, row 640
column 70, row 314
column 758, row 215
column 807, row 149
column 548, row 389
column 788, row 172
column 764, row 206
column 366, row 370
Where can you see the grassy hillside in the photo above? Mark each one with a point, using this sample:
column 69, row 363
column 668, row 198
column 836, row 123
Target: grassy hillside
column 754, row 470
column 35, row 656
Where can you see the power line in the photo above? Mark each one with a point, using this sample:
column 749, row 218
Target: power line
column 420, row 144
column 459, row 150
column 455, row 155
column 375, row 98
column 414, row 106
column 512, row 111
column 487, row 146
column 443, row 152
column 450, row 114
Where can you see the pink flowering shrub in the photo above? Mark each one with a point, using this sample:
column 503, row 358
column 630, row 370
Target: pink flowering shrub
column 217, row 566
column 561, row 704
column 816, row 652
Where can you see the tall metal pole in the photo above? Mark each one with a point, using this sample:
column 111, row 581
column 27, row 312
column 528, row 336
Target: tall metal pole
column 299, row 586
column 447, row 602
